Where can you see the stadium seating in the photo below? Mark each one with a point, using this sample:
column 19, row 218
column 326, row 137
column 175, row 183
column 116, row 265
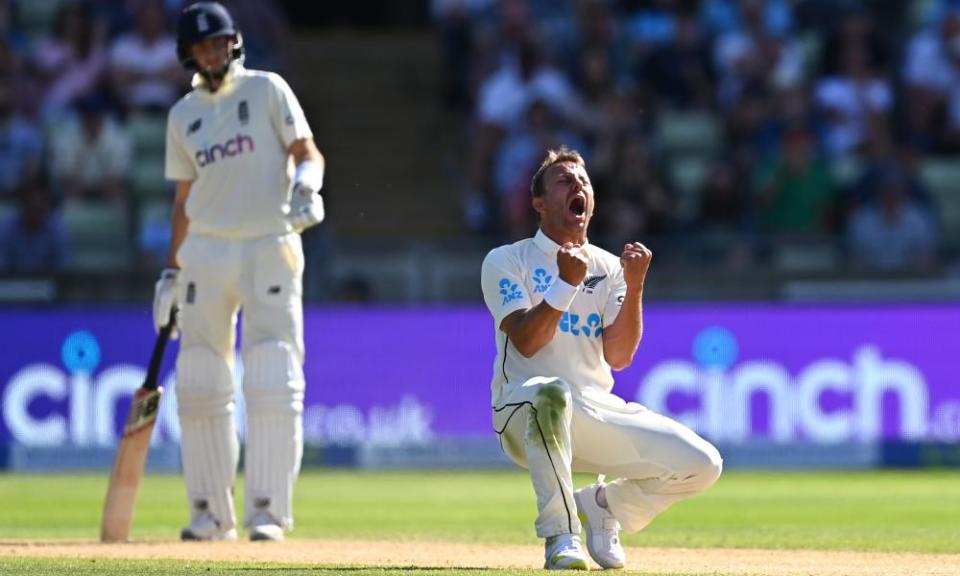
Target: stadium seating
column 98, row 235
column 942, row 175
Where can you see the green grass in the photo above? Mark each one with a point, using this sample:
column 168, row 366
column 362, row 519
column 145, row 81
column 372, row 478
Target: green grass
column 870, row 511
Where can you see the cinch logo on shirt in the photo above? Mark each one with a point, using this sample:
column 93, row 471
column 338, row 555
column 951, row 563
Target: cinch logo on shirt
column 236, row 145
column 570, row 323
column 542, row 280
column 509, row 291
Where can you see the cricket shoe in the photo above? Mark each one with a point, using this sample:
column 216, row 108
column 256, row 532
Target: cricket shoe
column 264, row 527
column 205, row 527
column 564, row 552
column 603, row 530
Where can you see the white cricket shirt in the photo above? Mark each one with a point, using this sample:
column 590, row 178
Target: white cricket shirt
column 514, row 277
column 232, row 144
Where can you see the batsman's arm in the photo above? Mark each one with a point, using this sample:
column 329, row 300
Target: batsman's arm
column 305, row 150
column 178, row 221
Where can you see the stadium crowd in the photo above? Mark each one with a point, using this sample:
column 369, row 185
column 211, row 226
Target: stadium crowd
column 797, row 134
column 85, row 86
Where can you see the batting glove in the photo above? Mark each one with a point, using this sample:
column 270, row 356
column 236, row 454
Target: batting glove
column 165, row 299
column 306, row 204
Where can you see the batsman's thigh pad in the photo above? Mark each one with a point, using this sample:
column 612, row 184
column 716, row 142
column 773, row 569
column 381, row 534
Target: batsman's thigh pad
column 208, row 445
column 272, row 292
column 273, row 386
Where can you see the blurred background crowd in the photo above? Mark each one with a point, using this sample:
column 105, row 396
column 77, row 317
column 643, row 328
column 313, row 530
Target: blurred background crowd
column 757, row 138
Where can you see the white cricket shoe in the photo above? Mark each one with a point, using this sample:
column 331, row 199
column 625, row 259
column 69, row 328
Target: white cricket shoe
column 264, row 527
column 205, row 527
column 603, row 530
column 564, row 552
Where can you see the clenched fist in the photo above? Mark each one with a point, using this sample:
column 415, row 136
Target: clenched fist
column 572, row 263
column 635, row 261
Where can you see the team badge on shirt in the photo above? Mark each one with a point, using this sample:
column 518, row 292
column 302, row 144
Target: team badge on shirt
column 510, row 291
column 590, row 284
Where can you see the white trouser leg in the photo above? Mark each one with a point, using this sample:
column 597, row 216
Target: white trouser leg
column 273, row 382
column 205, row 401
column 534, row 428
column 273, row 387
column 658, row 461
column 209, row 447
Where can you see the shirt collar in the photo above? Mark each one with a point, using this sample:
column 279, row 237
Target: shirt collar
column 547, row 245
column 233, row 70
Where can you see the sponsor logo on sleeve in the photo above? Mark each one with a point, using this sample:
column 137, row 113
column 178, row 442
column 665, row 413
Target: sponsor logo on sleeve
column 510, row 291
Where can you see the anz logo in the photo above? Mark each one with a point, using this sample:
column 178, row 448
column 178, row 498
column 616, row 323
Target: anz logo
column 232, row 147
column 542, row 281
column 510, row 291
column 570, row 323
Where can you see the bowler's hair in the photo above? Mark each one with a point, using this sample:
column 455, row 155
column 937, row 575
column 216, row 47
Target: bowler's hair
column 563, row 154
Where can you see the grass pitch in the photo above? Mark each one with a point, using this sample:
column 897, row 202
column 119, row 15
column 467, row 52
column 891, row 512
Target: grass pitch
column 863, row 511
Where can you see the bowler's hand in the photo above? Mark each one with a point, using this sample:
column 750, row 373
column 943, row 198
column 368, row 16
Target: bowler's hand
column 572, row 263
column 635, row 261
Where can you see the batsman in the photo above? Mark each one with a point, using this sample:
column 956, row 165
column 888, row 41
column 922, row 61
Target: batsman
column 566, row 313
column 247, row 176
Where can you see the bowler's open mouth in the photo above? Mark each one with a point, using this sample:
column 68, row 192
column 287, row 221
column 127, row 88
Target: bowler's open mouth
column 578, row 205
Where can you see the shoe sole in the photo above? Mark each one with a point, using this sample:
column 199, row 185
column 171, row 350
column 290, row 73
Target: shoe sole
column 575, row 565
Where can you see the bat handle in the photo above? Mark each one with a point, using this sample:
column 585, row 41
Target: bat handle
column 156, row 358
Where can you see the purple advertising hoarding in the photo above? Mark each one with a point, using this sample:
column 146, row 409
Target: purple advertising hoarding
column 393, row 376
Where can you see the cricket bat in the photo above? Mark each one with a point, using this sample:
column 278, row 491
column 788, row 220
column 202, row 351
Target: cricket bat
column 132, row 452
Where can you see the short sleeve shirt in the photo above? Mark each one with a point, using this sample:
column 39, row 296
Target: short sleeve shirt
column 515, row 277
column 233, row 145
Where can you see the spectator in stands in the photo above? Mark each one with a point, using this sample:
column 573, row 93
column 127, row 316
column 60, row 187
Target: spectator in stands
column 517, row 161
column 678, row 74
column 892, row 233
column 853, row 102
column 755, row 55
column 33, row 240
column 266, row 32
column 21, row 146
column 930, row 73
column 636, row 202
column 501, row 108
column 796, row 196
column 144, row 69
column 91, row 154
column 724, row 219
column 72, row 62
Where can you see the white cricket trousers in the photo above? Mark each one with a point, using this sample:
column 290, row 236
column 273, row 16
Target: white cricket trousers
column 552, row 429
column 263, row 277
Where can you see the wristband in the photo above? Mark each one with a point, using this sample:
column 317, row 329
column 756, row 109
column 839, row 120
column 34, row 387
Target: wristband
column 309, row 175
column 560, row 295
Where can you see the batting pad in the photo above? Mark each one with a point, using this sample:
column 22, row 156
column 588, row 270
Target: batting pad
column 208, row 444
column 273, row 387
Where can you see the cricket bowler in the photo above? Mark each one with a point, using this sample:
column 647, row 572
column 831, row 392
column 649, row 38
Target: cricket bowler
column 566, row 313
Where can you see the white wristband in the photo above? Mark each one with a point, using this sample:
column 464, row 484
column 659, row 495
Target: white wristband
column 310, row 175
column 560, row 295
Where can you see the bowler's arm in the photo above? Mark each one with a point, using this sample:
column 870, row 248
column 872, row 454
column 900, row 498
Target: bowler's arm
column 622, row 338
column 531, row 329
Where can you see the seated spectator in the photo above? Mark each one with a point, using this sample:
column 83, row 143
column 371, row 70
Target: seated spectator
column 144, row 69
column 91, row 154
column 33, row 241
column 893, row 232
column 21, row 146
column 636, row 203
column 71, row 63
column 795, row 192
column 679, row 73
column 852, row 102
column 518, row 160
